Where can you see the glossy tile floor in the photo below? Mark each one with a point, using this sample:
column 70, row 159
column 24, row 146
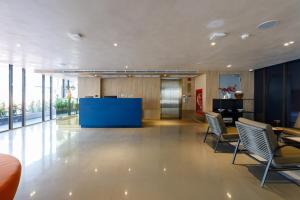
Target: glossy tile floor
column 165, row 160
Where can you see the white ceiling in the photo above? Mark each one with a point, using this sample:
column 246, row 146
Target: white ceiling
column 152, row 34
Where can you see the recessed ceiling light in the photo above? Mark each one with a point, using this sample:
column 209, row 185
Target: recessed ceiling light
column 228, row 66
column 116, row 44
column 213, row 44
column 251, row 70
column 288, row 43
column 126, row 67
column 244, row 36
column 18, row 45
column 268, row 24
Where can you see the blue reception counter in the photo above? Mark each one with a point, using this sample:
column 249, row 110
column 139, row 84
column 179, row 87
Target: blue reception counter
column 110, row 112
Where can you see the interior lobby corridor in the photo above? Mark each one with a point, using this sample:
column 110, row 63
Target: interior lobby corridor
column 163, row 160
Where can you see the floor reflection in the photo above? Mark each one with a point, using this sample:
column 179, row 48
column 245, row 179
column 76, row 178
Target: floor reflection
column 163, row 160
column 35, row 143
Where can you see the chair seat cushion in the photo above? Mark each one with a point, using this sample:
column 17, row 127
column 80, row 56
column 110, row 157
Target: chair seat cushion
column 287, row 156
column 232, row 130
column 230, row 136
column 10, row 172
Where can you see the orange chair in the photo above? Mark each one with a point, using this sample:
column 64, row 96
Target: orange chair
column 10, row 173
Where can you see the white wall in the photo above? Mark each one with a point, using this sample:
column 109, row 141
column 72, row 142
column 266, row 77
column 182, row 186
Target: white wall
column 89, row 86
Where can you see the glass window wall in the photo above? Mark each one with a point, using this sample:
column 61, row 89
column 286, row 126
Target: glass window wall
column 47, row 97
column 4, row 97
column 60, row 104
column 33, row 97
column 72, row 94
column 17, row 97
column 64, row 97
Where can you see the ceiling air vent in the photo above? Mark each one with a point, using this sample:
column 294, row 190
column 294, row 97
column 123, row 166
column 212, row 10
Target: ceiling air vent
column 217, row 35
column 268, row 24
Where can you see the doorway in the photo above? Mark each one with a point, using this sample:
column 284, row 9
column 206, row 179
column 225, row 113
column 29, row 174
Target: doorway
column 170, row 99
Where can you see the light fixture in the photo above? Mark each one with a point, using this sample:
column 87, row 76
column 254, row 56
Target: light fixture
column 125, row 192
column 95, row 170
column 126, row 67
column 244, row 36
column 116, row 44
column 165, row 169
column 165, row 75
column 70, row 193
column 129, row 169
column 217, row 35
column 228, row 195
column 291, row 42
column 251, row 70
column 18, row 45
column 213, row 44
column 288, row 43
column 75, row 36
column 267, row 24
column 228, row 66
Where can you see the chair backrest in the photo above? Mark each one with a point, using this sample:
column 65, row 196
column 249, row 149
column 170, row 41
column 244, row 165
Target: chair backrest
column 297, row 124
column 215, row 123
column 257, row 138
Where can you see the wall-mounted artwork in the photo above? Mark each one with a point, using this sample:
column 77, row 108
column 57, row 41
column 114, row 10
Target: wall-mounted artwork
column 229, row 86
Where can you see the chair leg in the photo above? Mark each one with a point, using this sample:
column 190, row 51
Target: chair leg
column 219, row 137
column 236, row 150
column 206, row 134
column 266, row 173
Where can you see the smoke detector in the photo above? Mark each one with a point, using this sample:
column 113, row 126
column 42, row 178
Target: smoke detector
column 75, row 36
column 217, row 35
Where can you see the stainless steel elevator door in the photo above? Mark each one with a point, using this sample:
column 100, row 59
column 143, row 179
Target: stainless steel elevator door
column 170, row 99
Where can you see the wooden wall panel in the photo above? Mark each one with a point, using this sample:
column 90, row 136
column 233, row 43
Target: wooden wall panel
column 146, row 88
column 88, row 86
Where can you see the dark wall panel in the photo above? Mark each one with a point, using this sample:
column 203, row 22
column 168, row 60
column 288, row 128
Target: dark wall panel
column 259, row 95
column 293, row 91
column 275, row 95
